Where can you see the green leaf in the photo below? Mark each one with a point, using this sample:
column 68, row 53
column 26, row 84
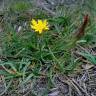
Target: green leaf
column 89, row 57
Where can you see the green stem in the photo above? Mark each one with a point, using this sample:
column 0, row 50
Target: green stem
column 40, row 45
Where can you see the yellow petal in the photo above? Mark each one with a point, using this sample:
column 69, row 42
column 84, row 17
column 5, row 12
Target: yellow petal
column 40, row 22
column 45, row 22
column 40, row 31
column 47, row 28
column 33, row 27
column 34, row 22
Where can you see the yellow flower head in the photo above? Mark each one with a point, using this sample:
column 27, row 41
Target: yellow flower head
column 39, row 26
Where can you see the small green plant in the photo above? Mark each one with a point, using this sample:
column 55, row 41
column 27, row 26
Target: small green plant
column 49, row 47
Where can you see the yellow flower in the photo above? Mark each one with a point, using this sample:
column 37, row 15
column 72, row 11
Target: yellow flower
column 39, row 26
